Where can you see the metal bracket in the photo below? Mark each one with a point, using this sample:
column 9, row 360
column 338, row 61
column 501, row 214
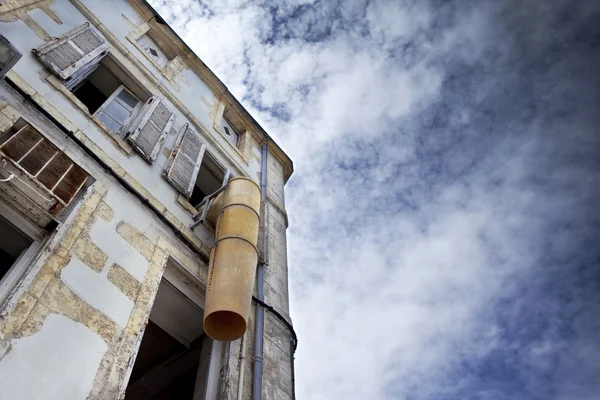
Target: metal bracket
column 201, row 216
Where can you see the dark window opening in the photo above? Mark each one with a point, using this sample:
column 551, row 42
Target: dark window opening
column 13, row 244
column 210, row 178
column 170, row 362
column 91, row 96
column 97, row 88
column 164, row 368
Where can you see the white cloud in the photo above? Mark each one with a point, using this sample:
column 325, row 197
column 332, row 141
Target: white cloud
column 420, row 199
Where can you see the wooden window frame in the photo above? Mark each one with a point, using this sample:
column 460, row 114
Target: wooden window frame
column 109, row 62
column 113, row 97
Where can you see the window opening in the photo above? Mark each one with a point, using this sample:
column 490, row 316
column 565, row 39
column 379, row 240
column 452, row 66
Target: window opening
column 13, row 244
column 210, row 179
column 110, row 95
column 169, row 363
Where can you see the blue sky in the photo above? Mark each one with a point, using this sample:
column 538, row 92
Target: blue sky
column 444, row 223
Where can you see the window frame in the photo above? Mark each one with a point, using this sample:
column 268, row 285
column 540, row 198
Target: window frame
column 238, row 135
column 156, row 60
column 110, row 61
column 114, row 97
column 173, row 64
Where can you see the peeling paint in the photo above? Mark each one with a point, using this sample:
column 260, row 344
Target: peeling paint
column 14, row 10
column 96, row 290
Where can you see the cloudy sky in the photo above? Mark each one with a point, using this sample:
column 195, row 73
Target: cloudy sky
column 444, row 221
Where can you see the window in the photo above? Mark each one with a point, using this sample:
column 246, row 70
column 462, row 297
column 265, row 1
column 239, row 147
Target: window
column 153, row 50
column 42, row 172
column 210, row 179
column 153, row 40
column 109, row 98
column 20, row 242
column 113, row 97
column 230, row 132
column 191, row 171
column 232, row 127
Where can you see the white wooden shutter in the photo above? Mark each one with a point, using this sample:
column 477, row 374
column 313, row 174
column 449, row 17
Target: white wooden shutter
column 151, row 126
column 184, row 164
column 74, row 53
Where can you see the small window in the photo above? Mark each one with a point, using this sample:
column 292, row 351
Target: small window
column 153, row 50
column 210, row 179
column 110, row 95
column 230, row 132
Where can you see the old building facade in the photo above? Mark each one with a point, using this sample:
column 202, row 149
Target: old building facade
column 113, row 137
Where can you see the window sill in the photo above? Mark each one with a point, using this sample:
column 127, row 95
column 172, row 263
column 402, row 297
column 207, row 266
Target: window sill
column 183, row 201
column 121, row 144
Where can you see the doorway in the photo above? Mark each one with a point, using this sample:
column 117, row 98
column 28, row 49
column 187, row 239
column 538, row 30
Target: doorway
column 174, row 353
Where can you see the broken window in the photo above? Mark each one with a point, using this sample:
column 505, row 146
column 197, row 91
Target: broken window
column 210, row 179
column 110, row 94
column 41, row 171
column 39, row 186
column 73, row 54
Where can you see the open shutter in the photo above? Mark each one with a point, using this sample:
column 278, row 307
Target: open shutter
column 183, row 166
column 74, row 54
column 151, row 126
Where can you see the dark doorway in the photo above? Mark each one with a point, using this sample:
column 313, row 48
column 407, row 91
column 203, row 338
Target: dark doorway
column 167, row 363
column 164, row 368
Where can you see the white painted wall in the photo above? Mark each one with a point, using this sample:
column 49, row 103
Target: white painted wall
column 58, row 362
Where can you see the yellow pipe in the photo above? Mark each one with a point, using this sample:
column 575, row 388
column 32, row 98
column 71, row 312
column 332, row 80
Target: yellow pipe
column 233, row 259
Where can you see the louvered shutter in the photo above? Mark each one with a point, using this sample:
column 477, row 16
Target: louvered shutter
column 155, row 120
column 183, row 166
column 73, row 54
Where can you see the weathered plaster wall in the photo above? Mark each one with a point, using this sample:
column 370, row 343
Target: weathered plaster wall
column 85, row 301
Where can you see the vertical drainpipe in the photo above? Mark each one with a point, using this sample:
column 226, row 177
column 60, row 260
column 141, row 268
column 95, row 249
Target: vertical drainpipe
column 260, row 275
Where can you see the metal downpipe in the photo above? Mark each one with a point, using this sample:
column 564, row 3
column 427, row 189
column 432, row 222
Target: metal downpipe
column 260, row 294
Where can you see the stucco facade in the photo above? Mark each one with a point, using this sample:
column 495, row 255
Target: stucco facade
column 73, row 319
